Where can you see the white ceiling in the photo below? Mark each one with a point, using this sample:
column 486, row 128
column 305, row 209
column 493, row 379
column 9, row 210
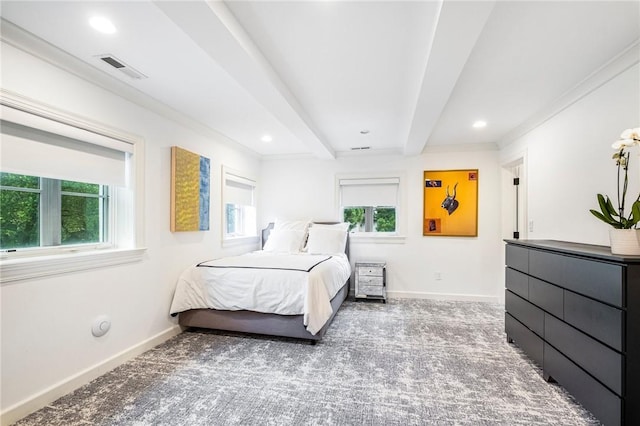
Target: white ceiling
column 314, row 74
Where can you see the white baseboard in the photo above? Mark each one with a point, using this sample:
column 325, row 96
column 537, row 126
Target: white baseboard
column 442, row 296
column 40, row 400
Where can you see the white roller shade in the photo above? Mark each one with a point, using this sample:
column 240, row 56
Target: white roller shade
column 36, row 146
column 238, row 190
column 369, row 192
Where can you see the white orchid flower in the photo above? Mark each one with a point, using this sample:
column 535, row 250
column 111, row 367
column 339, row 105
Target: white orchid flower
column 609, row 214
column 623, row 143
column 631, row 134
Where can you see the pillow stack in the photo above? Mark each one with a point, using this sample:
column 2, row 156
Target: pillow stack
column 295, row 236
column 288, row 236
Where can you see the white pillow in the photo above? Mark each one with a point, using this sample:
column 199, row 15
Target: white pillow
column 326, row 240
column 296, row 225
column 344, row 226
column 284, row 241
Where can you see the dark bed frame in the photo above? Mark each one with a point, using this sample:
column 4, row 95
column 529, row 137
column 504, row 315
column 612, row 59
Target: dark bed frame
column 258, row 322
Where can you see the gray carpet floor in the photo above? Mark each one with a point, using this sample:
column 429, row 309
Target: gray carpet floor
column 407, row 362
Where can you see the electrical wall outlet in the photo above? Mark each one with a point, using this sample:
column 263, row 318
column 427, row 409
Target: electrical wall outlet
column 530, row 226
column 437, row 276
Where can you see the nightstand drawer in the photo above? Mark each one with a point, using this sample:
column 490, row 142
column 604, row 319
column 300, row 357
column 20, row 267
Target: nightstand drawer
column 365, row 290
column 370, row 281
column 375, row 271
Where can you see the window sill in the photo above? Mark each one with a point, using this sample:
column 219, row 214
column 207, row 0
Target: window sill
column 375, row 238
column 240, row 241
column 12, row 270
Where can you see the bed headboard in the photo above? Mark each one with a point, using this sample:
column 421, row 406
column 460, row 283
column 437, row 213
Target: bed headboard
column 266, row 231
column 265, row 234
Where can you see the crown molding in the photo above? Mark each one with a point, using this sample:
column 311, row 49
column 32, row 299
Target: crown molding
column 45, row 51
column 626, row 59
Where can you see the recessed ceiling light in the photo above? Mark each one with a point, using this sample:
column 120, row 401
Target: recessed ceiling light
column 102, row 24
column 266, row 138
column 479, row 124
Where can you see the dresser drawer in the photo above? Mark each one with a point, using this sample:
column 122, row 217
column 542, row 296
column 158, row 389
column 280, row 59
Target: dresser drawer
column 603, row 403
column 517, row 282
column 517, row 258
column 547, row 266
column 525, row 312
column 531, row 344
column 365, row 290
column 546, row 296
column 598, row 320
column 599, row 280
column 601, row 362
column 370, row 270
column 370, row 281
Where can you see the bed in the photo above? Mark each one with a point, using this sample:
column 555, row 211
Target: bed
column 293, row 287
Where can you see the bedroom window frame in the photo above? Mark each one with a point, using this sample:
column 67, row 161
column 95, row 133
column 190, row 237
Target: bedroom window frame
column 371, row 180
column 234, row 198
column 50, row 215
column 125, row 222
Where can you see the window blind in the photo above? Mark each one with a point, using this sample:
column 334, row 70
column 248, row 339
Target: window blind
column 238, row 190
column 37, row 146
column 381, row 192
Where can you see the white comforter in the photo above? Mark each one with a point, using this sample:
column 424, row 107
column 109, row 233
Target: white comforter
column 265, row 282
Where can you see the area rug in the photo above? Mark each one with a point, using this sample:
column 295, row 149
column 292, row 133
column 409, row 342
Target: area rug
column 406, row 362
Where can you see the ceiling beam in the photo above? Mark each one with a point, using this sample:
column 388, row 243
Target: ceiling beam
column 458, row 27
column 212, row 26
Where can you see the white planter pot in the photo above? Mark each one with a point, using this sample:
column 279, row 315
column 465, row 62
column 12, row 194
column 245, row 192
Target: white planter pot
column 625, row 241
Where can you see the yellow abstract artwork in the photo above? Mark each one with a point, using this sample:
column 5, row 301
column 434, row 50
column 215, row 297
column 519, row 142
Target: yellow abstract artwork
column 189, row 191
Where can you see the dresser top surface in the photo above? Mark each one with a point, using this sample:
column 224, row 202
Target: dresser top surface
column 587, row 250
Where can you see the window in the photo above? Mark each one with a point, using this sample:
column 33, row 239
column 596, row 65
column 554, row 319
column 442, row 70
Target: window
column 239, row 206
column 67, row 185
column 38, row 212
column 370, row 218
column 370, row 204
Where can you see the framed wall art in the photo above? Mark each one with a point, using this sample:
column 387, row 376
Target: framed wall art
column 190, row 175
column 450, row 203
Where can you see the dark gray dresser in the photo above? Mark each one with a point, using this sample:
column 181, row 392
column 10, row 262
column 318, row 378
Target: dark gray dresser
column 574, row 309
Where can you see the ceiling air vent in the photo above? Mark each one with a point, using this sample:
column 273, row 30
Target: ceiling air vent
column 360, row 148
column 122, row 67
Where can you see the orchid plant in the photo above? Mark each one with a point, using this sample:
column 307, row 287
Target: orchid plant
column 616, row 215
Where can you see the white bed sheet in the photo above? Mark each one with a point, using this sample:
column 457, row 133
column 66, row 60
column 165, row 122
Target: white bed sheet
column 284, row 292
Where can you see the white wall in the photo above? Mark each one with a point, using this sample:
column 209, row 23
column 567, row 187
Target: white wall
column 569, row 161
column 46, row 323
column 471, row 268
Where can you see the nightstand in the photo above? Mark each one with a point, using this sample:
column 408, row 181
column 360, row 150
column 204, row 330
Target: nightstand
column 371, row 281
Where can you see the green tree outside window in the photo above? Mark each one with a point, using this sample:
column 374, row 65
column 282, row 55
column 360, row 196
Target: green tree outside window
column 80, row 214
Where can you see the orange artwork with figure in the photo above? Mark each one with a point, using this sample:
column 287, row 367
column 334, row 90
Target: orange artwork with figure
column 450, row 203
